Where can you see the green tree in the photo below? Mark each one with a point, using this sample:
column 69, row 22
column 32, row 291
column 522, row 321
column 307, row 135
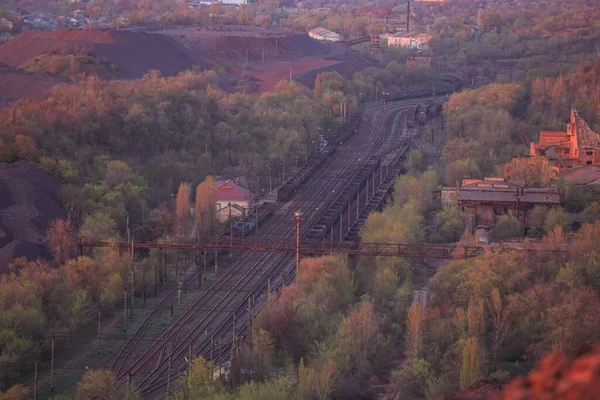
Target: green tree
column 16, row 392
column 591, row 213
column 98, row 226
column 411, row 380
column 451, row 223
column 317, row 384
column 470, row 371
column 117, row 172
column 100, row 384
column 500, row 318
column 274, row 389
column 537, row 219
column 556, row 217
column 414, row 330
column 508, row 226
column 199, row 383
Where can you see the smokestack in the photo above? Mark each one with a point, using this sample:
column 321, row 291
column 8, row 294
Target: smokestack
column 408, row 18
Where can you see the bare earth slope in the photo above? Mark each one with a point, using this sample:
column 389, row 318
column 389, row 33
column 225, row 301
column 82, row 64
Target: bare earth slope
column 133, row 53
column 18, row 84
column 28, row 203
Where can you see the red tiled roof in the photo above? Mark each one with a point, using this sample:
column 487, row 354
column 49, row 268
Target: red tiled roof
column 230, row 191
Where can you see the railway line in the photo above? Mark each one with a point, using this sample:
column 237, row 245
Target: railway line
column 240, row 292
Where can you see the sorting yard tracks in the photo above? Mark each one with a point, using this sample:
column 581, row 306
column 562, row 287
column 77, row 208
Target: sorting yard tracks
column 350, row 182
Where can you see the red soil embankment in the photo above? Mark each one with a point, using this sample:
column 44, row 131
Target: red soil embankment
column 133, row 53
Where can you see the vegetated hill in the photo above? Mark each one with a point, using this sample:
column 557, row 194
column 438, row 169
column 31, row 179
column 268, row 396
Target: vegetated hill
column 18, row 84
column 28, row 203
column 71, row 65
column 132, row 53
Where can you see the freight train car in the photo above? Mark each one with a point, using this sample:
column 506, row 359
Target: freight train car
column 291, row 186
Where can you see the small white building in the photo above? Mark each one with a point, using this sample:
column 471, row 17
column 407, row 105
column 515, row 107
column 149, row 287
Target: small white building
column 324, row 34
column 409, row 40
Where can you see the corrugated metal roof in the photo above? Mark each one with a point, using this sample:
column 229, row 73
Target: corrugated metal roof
column 538, row 196
column 500, row 190
column 325, row 33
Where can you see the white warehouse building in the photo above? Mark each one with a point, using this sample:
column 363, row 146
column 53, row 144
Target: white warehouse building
column 324, row 34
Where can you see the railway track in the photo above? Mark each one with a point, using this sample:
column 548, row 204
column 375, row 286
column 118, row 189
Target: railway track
column 249, row 279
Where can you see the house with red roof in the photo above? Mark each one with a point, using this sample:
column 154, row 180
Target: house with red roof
column 230, row 194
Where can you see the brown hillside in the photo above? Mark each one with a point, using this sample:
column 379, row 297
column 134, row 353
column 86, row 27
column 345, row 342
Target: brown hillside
column 28, row 203
column 17, row 84
column 133, row 53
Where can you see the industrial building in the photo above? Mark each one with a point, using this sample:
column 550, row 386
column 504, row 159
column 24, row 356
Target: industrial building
column 579, row 145
column 325, row 34
column 409, row 40
column 484, row 201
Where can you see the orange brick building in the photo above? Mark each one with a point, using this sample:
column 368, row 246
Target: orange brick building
column 579, row 145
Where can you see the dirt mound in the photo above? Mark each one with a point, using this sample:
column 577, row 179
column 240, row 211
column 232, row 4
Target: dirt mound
column 132, row 53
column 233, row 46
column 348, row 60
column 29, row 201
column 17, row 84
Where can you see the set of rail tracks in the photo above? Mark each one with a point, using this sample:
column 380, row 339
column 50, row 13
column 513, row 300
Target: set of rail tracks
column 209, row 324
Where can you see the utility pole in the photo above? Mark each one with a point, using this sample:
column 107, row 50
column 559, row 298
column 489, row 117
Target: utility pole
column 231, row 230
column 297, row 219
column 276, row 47
column 178, row 266
column 185, row 273
column 257, row 201
column 408, row 18
column 144, row 285
column 35, row 369
column 52, row 366
column 169, row 377
column 99, row 329
column 125, row 312
column 132, row 281
column 290, row 72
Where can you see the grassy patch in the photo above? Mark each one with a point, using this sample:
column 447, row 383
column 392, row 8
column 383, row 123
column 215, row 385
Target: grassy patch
column 71, row 65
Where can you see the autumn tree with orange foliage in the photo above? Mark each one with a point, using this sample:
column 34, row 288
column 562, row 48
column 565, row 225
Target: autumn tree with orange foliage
column 60, row 238
column 182, row 208
column 206, row 207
